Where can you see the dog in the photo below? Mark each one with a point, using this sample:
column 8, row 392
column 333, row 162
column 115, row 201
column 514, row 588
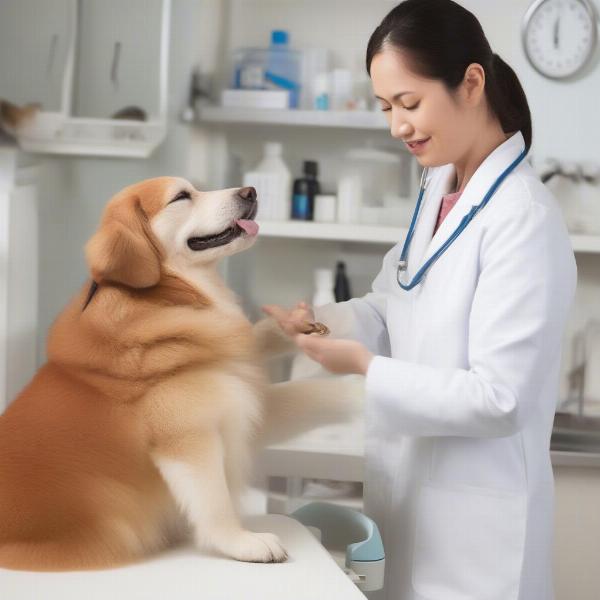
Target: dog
column 140, row 429
column 14, row 118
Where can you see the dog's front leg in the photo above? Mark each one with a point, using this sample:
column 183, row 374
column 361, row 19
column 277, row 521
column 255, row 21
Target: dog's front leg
column 195, row 474
column 295, row 407
column 271, row 340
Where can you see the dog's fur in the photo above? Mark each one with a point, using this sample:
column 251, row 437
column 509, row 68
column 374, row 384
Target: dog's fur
column 142, row 423
column 13, row 118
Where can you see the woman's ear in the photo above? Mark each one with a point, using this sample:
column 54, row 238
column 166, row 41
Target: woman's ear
column 123, row 250
column 474, row 83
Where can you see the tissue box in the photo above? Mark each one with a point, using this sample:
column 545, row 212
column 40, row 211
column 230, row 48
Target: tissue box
column 255, row 98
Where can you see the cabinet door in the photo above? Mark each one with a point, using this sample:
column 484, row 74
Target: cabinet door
column 118, row 57
column 34, row 40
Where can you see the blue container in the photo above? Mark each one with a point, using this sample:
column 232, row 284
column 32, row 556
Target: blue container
column 283, row 66
column 276, row 67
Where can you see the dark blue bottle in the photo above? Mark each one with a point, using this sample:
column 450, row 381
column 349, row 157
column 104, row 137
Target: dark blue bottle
column 304, row 192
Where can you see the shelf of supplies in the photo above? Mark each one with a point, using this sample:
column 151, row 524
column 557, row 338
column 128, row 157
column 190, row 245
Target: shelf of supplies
column 376, row 234
column 353, row 119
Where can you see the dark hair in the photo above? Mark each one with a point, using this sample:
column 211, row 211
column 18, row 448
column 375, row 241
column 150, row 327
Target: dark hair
column 442, row 38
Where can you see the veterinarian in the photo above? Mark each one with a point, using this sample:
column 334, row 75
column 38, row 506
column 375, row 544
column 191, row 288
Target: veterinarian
column 460, row 338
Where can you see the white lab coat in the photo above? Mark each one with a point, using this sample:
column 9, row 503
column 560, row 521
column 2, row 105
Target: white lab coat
column 461, row 394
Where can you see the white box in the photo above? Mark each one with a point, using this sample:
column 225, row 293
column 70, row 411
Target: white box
column 255, row 98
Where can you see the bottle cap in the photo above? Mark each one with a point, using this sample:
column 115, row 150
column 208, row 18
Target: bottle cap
column 340, row 265
column 311, row 168
column 273, row 149
column 324, row 279
column 279, row 37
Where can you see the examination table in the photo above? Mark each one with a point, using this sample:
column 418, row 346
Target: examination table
column 312, row 571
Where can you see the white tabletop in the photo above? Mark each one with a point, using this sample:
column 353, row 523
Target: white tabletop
column 310, row 573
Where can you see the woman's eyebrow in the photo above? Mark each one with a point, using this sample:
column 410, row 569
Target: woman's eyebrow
column 395, row 97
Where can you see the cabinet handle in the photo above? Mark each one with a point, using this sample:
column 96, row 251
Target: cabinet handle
column 51, row 53
column 115, row 65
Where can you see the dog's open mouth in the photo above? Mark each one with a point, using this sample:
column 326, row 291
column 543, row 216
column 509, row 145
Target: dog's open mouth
column 245, row 224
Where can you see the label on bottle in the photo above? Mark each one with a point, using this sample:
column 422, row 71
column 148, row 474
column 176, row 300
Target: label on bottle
column 300, row 207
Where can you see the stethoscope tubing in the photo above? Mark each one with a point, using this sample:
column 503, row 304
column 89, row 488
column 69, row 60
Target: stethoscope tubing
column 403, row 263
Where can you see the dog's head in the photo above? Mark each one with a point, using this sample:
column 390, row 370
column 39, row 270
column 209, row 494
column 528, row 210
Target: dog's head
column 166, row 219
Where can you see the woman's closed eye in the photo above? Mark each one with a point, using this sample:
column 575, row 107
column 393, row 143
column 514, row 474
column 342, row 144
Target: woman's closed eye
column 412, row 107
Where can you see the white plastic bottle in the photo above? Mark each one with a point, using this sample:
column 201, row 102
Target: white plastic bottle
column 276, row 197
column 323, row 287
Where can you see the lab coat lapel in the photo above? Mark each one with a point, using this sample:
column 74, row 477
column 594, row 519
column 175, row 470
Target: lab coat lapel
column 439, row 184
column 477, row 187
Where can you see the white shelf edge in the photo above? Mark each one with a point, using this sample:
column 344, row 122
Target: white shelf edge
column 131, row 150
column 355, row 119
column 586, row 244
column 376, row 234
column 355, row 502
column 56, row 133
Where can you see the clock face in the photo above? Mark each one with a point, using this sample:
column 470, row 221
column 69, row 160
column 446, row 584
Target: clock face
column 559, row 36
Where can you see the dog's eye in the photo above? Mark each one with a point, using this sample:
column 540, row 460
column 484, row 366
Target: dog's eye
column 183, row 195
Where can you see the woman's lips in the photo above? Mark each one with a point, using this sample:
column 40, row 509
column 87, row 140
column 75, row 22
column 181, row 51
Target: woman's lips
column 417, row 146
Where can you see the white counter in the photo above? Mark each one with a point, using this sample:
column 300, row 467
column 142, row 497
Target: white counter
column 310, row 573
column 337, row 452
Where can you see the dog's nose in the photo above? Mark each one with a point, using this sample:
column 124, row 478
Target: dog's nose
column 247, row 193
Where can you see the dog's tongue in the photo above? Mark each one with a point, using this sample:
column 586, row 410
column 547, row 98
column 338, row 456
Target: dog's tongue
column 250, row 227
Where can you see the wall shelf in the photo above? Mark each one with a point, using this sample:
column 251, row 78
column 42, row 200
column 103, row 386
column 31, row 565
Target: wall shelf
column 586, row 244
column 54, row 133
column 376, row 234
column 352, row 119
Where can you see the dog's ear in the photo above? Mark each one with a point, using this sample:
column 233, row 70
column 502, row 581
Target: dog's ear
column 124, row 250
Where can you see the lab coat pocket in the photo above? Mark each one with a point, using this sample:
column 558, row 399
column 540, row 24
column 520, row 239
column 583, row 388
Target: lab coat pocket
column 469, row 543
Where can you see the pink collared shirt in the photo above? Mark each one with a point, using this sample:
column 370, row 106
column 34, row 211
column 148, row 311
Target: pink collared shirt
column 448, row 201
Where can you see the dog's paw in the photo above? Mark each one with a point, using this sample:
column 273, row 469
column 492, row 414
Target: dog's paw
column 249, row 546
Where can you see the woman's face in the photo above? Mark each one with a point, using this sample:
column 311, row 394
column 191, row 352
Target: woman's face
column 441, row 124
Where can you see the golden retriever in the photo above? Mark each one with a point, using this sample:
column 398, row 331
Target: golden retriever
column 141, row 426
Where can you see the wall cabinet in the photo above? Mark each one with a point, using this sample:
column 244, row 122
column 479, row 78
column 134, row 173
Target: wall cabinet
column 118, row 59
column 35, row 38
column 83, row 61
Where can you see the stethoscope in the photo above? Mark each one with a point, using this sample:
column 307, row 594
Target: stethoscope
column 403, row 262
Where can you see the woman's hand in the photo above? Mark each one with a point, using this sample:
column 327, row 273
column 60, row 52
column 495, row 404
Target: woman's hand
column 338, row 356
column 293, row 321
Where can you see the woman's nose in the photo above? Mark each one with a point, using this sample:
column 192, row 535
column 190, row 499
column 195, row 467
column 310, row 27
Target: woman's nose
column 400, row 129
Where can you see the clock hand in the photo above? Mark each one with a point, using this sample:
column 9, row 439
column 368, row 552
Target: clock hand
column 556, row 26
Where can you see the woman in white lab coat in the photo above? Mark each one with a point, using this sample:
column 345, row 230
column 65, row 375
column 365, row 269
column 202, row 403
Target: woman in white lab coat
column 461, row 370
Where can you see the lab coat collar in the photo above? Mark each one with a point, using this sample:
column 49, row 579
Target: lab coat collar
column 424, row 244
